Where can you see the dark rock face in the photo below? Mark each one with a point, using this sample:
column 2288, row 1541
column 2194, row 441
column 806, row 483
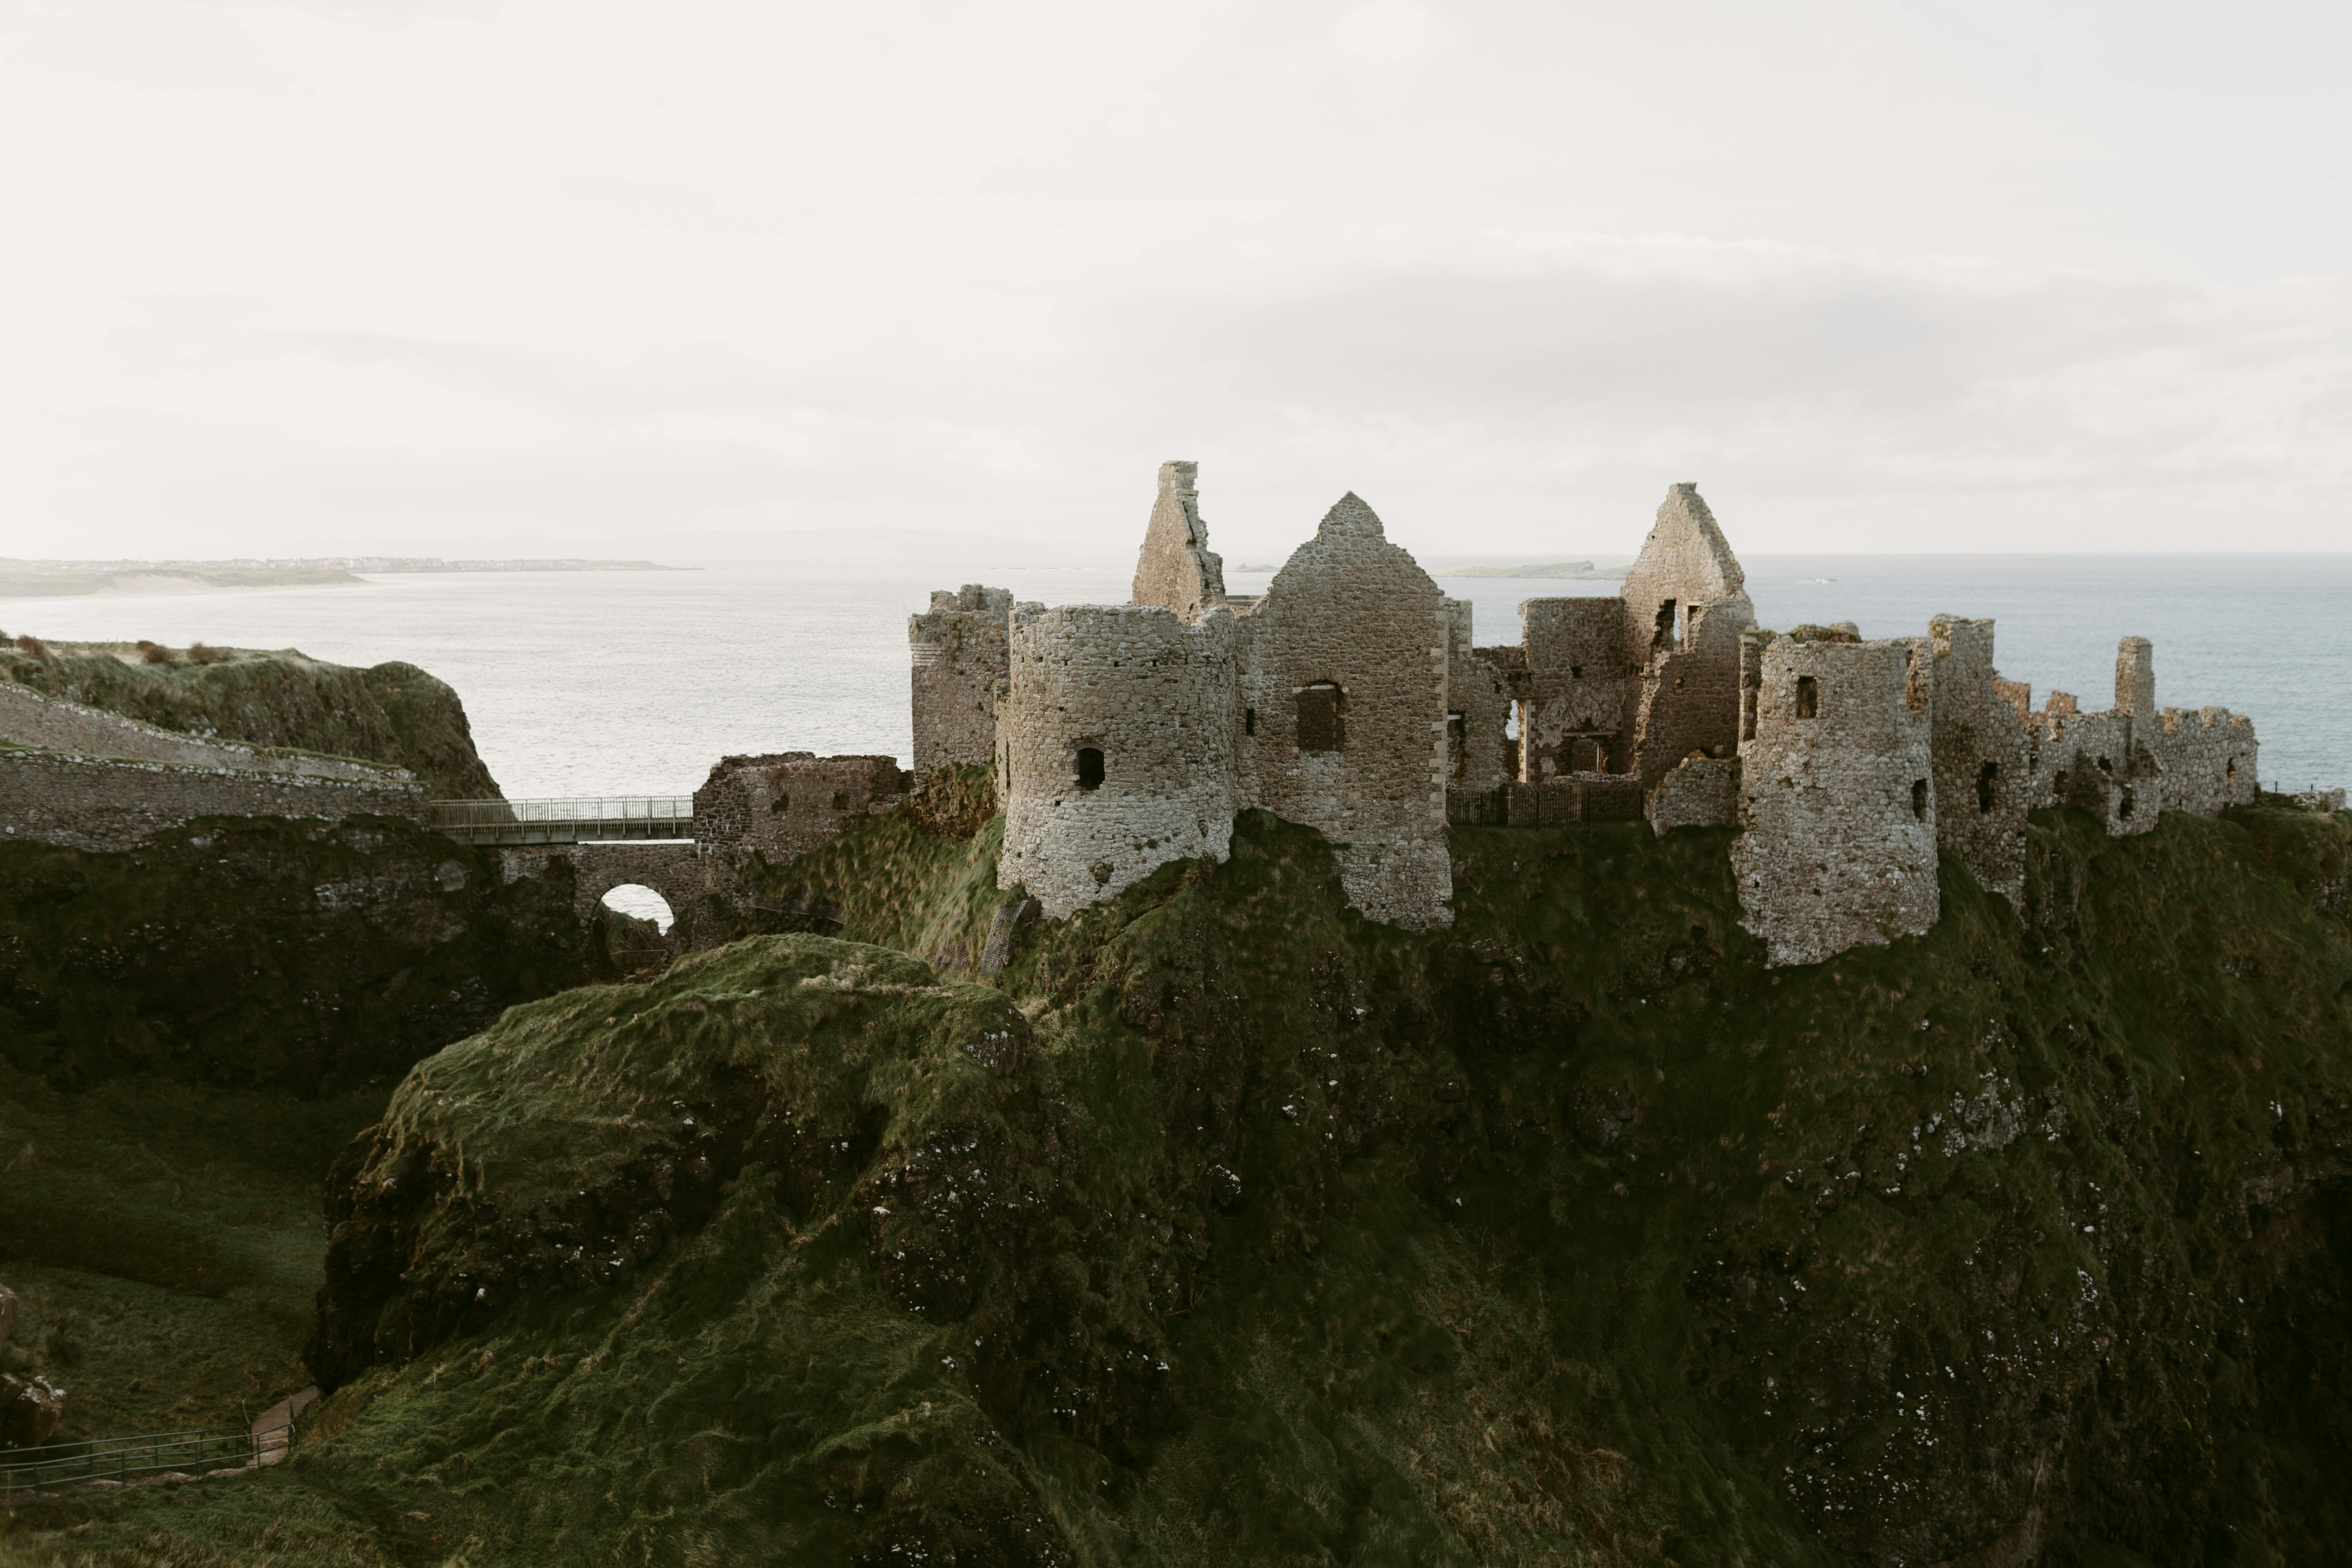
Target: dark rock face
column 30, row 1409
column 245, row 951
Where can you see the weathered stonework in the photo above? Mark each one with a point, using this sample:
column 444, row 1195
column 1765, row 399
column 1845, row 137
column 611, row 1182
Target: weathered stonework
column 1479, row 754
column 959, row 652
column 1343, row 699
column 784, row 805
column 1699, row 792
column 1578, row 680
column 1684, row 604
column 1117, row 749
column 1978, row 750
column 1176, row 568
column 113, row 804
column 1837, row 807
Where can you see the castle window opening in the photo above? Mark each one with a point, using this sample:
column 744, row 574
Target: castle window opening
column 1090, row 767
column 1576, row 672
column 781, row 805
column 1665, row 637
column 2123, row 807
column 2230, row 775
column 640, row 903
column 1249, row 721
column 1987, row 776
column 1321, row 727
column 1457, row 745
column 1584, row 756
column 1920, row 799
column 1809, row 697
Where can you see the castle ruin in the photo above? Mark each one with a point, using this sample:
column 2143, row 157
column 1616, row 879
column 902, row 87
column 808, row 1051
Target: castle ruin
column 1350, row 697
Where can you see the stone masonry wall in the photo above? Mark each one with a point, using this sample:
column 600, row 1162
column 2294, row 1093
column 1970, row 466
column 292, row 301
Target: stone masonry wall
column 959, row 646
column 784, row 805
column 29, row 718
column 1176, row 568
column 2130, row 764
column 1577, row 672
column 1151, row 698
column 1479, row 755
column 1701, row 792
column 1351, row 611
column 1684, row 604
column 110, row 804
column 1981, row 778
column 1838, row 811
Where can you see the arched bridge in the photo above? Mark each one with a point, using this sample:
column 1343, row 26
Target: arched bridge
column 595, row 820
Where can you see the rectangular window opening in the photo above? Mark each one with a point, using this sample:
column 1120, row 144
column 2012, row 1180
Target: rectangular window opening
column 1809, row 697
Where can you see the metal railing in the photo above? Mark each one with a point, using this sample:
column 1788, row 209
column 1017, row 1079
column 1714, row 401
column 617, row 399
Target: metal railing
column 154, row 1453
column 597, row 819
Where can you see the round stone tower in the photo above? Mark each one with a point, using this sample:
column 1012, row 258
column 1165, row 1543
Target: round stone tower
column 1115, row 747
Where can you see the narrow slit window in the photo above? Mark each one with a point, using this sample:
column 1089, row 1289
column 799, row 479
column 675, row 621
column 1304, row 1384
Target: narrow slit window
column 1920, row 799
column 1249, row 721
column 1987, row 776
column 1090, row 767
column 1665, row 635
column 1809, row 697
column 1321, row 723
column 841, row 800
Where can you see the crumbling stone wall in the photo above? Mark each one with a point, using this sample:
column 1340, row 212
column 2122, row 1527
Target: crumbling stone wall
column 1351, row 627
column 1176, row 568
column 1837, row 845
column 1699, row 792
column 2208, row 758
column 2134, row 761
column 1980, row 779
column 1478, row 754
column 51, row 723
column 111, row 803
column 960, row 667
column 1117, row 735
column 1684, row 604
column 784, row 805
column 700, row 897
column 1576, row 684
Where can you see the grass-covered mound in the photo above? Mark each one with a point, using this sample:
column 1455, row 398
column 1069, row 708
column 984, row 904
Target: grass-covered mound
column 391, row 712
column 1572, row 1235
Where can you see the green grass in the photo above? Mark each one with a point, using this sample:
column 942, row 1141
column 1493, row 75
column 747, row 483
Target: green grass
column 1230, row 1227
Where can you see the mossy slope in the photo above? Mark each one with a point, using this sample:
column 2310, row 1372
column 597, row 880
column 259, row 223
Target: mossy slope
column 391, row 712
column 1571, row 1234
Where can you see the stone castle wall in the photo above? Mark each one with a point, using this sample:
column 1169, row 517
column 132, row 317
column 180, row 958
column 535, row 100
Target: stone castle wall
column 1577, row 682
column 1344, row 713
column 1478, row 754
column 1684, row 604
column 1980, row 779
column 1838, row 808
column 960, row 667
column 1700, row 791
column 1176, row 569
column 786, row 804
column 1118, row 748
column 109, row 803
column 29, row 718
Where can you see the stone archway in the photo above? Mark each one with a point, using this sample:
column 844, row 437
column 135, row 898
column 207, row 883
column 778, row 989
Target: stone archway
column 673, row 870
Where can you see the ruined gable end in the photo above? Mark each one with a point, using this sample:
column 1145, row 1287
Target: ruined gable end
column 1176, row 568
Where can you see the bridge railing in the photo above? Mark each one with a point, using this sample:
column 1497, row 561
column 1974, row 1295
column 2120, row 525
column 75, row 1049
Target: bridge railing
column 593, row 819
column 127, row 1459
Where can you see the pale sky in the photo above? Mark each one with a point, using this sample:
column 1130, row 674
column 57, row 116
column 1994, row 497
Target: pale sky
column 356, row 275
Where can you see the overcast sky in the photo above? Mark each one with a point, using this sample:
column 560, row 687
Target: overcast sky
column 1992, row 275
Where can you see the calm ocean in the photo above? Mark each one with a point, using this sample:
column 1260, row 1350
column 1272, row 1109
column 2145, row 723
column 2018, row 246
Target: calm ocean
column 584, row 683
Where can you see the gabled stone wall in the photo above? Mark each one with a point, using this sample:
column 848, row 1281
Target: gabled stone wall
column 959, row 651
column 1981, row 782
column 1837, row 807
column 1352, row 621
column 1684, row 604
column 1176, row 568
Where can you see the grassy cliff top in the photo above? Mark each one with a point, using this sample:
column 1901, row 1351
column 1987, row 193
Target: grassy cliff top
column 1227, row 1226
column 391, row 712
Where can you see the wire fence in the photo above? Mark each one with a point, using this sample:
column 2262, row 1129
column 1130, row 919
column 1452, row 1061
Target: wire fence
column 151, row 1454
column 595, row 820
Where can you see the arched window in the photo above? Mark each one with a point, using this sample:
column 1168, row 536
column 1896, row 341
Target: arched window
column 1090, row 767
column 1322, row 725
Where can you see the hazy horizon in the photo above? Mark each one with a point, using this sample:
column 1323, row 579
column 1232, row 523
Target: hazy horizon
column 470, row 279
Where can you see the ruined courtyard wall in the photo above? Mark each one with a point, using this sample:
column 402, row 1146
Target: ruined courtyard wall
column 1478, row 753
column 1837, row 845
column 1683, row 693
column 2208, row 758
column 1176, row 568
column 1351, row 609
column 1155, row 697
column 1980, row 779
column 111, row 803
column 1700, row 791
column 1576, row 683
column 783, row 805
column 960, row 665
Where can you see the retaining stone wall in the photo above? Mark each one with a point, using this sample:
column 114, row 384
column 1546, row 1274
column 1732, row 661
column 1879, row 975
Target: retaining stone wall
column 110, row 804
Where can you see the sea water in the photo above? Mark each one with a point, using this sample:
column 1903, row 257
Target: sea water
column 635, row 683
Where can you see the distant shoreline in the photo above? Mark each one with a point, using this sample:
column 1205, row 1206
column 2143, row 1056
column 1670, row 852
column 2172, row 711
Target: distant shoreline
column 87, row 579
